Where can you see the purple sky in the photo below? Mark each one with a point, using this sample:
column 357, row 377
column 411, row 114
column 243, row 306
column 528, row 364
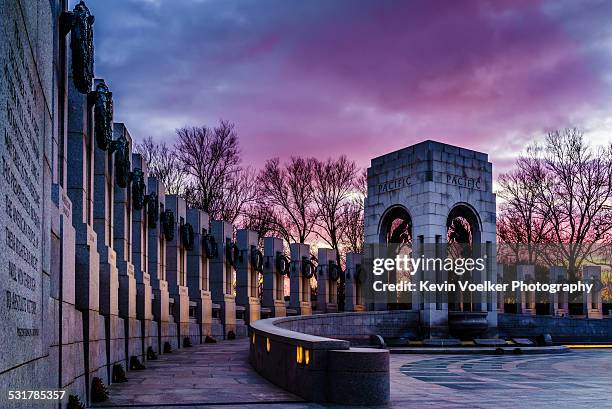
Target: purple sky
column 325, row 77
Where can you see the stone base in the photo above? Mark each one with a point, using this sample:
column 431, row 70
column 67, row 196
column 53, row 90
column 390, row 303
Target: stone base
column 150, row 336
column 115, row 342
column 242, row 329
column 304, row 308
column 168, row 332
column 278, row 309
column 228, row 314
column 184, row 330
column 134, row 339
column 324, row 308
column 252, row 310
column 216, row 329
column 95, row 347
column 195, row 333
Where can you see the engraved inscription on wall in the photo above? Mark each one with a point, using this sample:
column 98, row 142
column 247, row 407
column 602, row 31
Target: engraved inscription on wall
column 21, row 201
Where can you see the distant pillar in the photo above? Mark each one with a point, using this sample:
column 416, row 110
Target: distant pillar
column 176, row 266
column 302, row 271
column 222, row 275
column 276, row 266
column 525, row 300
column 592, row 304
column 140, row 250
column 80, row 182
column 353, row 287
column 122, row 242
column 157, row 266
column 197, row 272
column 558, row 302
column 328, row 274
column 501, row 295
column 249, row 268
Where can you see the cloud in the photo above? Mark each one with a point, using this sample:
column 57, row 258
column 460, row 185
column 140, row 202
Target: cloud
column 360, row 77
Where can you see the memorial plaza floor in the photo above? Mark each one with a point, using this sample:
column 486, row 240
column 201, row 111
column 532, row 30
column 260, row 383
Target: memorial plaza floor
column 218, row 376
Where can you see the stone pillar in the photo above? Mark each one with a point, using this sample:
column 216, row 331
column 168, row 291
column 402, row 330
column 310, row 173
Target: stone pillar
column 353, row 287
column 558, row 302
column 222, row 276
column 176, row 267
column 140, row 250
column 80, row 188
column 274, row 277
column 197, row 277
column 300, row 284
column 166, row 330
column 249, row 268
column 328, row 274
column 103, row 210
column 525, row 300
column 122, row 243
column 592, row 304
column 501, row 296
column 131, row 341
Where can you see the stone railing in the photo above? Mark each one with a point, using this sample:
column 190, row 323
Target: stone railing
column 316, row 368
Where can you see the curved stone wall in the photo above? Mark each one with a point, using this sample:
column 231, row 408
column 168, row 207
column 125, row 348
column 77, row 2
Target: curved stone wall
column 316, row 368
column 355, row 327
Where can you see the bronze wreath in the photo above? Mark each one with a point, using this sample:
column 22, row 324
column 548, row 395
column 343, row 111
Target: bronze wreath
column 282, row 263
column 187, row 236
column 257, row 259
column 103, row 114
column 211, row 249
column 308, row 267
column 152, row 209
column 167, row 221
column 82, row 46
column 138, row 189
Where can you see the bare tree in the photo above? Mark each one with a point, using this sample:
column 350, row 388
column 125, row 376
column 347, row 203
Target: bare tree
column 259, row 217
column 289, row 191
column 211, row 157
column 566, row 193
column 522, row 225
column 334, row 183
column 164, row 164
column 353, row 216
column 577, row 193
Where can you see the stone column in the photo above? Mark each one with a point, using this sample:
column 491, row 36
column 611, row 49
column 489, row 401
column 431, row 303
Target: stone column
column 274, row 278
column 354, row 278
column 525, row 300
column 176, row 267
column 140, row 249
column 558, row 302
column 130, row 340
column 300, row 285
column 247, row 274
column 197, row 276
column 222, row 276
column 592, row 304
column 328, row 273
column 104, row 186
column 166, row 330
column 80, row 188
column 500, row 294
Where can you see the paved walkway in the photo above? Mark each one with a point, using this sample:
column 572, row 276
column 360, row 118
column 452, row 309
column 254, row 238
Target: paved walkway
column 218, row 376
column 205, row 374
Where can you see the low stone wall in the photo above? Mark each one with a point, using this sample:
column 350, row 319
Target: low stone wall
column 355, row 327
column 316, row 368
column 562, row 329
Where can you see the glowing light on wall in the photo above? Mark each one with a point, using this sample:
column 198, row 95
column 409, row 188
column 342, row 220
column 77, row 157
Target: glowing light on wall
column 300, row 355
column 267, row 344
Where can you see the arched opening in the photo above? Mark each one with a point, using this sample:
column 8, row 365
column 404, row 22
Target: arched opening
column 463, row 238
column 396, row 237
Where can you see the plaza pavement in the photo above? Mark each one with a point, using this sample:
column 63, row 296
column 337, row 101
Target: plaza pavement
column 218, row 376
